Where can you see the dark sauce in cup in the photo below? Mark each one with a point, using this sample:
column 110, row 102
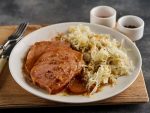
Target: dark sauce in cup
column 103, row 16
column 130, row 26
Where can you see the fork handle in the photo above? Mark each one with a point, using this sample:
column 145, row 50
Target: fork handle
column 2, row 64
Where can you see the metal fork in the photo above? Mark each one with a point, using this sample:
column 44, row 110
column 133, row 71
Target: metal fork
column 10, row 43
column 15, row 37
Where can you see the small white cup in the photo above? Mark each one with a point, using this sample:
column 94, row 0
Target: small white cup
column 131, row 26
column 103, row 15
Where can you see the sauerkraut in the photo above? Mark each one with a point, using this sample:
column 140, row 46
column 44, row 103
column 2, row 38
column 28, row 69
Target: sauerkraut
column 105, row 58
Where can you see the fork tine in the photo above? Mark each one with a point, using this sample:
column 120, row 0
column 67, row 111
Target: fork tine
column 15, row 34
column 22, row 29
column 19, row 27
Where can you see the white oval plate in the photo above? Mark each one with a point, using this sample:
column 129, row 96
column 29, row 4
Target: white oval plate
column 45, row 33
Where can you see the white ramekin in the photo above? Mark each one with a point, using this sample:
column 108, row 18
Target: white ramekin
column 98, row 13
column 133, row 33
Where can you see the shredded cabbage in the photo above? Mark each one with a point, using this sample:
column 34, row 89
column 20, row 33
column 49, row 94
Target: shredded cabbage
column 105, row 59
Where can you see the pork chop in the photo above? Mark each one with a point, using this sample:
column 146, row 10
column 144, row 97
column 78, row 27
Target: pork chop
column 54, row 66
column 38, row 49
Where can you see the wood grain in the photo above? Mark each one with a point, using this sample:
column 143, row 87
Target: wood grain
column 12, row 95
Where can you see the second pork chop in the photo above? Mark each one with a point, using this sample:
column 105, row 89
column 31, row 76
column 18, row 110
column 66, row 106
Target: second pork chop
column 55, row 68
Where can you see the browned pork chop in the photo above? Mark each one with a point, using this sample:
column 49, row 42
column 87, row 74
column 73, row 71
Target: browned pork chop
column 38, row 49
column 53, row 68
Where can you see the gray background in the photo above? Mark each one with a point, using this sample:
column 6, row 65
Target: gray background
column 55, row 11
